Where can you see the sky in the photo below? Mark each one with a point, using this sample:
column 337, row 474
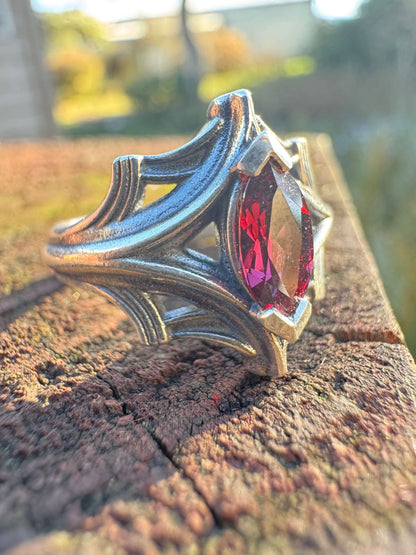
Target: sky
column 117, row 10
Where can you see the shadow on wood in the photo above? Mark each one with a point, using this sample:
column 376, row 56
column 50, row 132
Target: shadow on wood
column 106, row 445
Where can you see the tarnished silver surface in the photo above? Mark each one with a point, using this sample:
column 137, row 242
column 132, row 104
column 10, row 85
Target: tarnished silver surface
column 140, row 256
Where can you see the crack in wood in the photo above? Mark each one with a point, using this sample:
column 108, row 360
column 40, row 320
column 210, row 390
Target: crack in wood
column 159, row 442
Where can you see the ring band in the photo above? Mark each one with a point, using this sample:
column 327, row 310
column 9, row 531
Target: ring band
column 255, row 191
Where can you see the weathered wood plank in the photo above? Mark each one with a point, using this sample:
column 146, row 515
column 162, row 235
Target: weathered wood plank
column 107, row 445
column 69, row 445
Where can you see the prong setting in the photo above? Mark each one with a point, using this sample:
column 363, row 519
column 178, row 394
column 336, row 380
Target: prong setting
column 264, row 147
column 286, row 327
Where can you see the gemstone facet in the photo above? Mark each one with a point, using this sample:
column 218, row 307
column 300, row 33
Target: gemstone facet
column 275, row 239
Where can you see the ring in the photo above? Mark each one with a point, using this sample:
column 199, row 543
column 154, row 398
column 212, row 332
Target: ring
column 237, row 181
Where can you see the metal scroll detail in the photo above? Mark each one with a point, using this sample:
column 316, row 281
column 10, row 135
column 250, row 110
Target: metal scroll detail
column 138, row 255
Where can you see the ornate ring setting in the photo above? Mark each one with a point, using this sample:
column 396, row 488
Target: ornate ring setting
column 237, row 181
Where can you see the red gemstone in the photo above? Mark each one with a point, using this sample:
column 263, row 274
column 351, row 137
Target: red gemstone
column 275, row 240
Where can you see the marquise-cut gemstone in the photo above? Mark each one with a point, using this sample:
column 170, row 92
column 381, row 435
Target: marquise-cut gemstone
column 275, row 239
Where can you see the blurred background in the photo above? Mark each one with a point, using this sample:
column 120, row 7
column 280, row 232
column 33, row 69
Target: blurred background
column 72, row 68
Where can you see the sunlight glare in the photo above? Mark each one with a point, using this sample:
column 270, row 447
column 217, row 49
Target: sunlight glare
column 336, row 9
column 119, row 10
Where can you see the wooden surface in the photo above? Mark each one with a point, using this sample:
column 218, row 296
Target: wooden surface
column 107, row 447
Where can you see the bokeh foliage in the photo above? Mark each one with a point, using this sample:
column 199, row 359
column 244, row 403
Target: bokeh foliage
column 77, row 49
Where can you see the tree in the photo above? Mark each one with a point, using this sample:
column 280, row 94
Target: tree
column 77, row 51
column 191, row 68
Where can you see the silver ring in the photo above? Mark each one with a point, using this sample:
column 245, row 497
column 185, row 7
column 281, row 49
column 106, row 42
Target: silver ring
column 255, row 192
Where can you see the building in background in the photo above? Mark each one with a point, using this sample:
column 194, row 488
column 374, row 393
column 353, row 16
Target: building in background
column 276, row 31
column 25, row 89
column 282, row 30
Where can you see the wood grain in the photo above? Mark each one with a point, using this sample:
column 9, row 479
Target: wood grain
column 109, row 447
